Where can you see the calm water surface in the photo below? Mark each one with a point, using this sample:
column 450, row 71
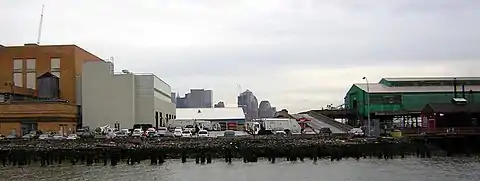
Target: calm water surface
column 412, row 169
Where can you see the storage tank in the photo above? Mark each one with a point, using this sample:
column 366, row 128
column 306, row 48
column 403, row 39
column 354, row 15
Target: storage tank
column 48, row 86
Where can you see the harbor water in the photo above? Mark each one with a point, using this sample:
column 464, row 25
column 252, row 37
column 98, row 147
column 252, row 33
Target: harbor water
column 411, row 169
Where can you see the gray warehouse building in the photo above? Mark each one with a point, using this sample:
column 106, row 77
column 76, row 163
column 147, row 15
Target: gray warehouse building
column 126, row 98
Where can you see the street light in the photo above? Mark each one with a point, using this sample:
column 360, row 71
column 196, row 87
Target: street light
column 368, row 106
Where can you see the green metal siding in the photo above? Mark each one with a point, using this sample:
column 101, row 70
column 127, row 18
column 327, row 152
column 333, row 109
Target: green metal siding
column 416, row 101
column 411, row 102
column 355, row 93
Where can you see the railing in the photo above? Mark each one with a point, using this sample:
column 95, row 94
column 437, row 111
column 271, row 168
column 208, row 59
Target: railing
column 449, row 130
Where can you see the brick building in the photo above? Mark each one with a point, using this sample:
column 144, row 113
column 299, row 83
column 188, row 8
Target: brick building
column 21, row 107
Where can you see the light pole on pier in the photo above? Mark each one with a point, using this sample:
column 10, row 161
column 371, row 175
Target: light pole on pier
column 368, row 105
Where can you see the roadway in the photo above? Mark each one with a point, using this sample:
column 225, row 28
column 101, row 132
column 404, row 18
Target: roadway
column 317, row 124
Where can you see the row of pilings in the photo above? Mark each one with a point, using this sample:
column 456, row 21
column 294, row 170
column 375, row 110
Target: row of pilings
column 202, row 150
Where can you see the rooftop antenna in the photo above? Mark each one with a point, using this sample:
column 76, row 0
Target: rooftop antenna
column 239, row 87
column 40, row 26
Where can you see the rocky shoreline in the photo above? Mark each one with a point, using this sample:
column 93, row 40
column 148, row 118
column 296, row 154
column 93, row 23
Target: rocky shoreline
column 203, row 150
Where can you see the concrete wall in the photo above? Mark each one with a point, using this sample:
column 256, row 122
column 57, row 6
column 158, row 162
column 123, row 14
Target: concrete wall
column 127, row 98
column 144, row 99
column 166, row 109
column 148, row 100
column 107, row 97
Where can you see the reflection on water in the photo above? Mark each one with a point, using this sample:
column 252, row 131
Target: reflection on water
column 412, row 169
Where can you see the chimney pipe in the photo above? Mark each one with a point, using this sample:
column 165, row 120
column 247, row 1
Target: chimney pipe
column 454, row 87
column 463, row 91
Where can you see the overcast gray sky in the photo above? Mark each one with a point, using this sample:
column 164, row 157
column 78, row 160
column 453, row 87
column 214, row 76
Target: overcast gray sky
column 299, row 54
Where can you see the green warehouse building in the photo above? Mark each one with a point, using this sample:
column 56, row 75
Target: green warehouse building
column 406, row 97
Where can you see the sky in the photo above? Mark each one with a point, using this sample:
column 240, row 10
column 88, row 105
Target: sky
column 298, row 54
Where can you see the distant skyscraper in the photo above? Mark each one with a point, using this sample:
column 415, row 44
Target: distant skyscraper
column 219, row 105
column 197, row 98
column 182, row 102
column 249, row 103
column 265, row 110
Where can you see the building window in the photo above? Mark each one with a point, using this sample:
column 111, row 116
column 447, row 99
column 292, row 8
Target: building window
column 55, row 66
column 18, row 79
column 17, row 72
column 31, row 73
column 31, row 80
column 18, row 65
column 30, row 65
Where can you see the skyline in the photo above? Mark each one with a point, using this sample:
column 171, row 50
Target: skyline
column 298, row 55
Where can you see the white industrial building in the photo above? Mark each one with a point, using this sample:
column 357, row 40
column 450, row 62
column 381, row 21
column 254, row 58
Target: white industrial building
column 127, row 98
column 223, row 116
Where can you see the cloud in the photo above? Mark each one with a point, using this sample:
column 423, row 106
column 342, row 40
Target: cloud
column 297, row 54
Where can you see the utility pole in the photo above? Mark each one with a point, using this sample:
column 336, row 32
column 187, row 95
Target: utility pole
column 368, row 106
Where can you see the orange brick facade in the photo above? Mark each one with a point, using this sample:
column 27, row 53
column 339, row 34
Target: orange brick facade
column 71, row 62
column 47, row 116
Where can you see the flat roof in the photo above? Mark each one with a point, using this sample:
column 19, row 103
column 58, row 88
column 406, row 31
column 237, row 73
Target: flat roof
column 151, row 74
column 380, row 88
column 210, row 113
column 415, row 79
column 42, row 46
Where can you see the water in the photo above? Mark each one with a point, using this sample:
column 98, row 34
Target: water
column 411, row 169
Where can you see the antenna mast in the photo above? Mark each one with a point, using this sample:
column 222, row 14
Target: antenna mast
column 40, row 27
column 239, row 87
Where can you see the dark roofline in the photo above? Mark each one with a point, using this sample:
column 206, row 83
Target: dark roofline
column 452, row 108
column 414, row 79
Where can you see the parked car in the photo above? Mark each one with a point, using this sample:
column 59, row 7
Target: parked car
column 177, row 132
column 190, row 128
column 28, row 136
column 168, row 134
column 125, row 130
column 151, row 132
column 229, row 133
column 44, row 137
column 137, row 133
column 309, row 131
column 121, row 134
column 203, row 133
column 325, row 131
column 58, row 137
column 11, row 137
column 356, row 132
column 186, row 133
column 84, row 133
column 161, row 131
column 72, row 137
